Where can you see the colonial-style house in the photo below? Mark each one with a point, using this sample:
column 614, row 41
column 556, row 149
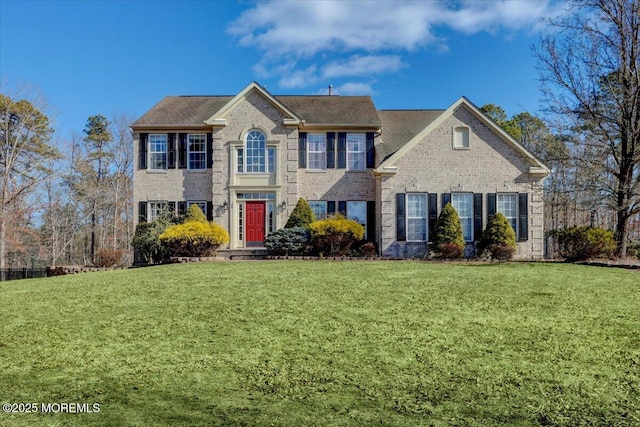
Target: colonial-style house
column 246, row 159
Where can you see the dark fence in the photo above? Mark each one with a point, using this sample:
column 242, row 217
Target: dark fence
column 22, row 273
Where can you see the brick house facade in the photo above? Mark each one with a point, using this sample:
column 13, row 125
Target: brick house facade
column 246, row 159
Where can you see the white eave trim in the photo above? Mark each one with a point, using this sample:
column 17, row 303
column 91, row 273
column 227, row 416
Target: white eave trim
column 216, row 122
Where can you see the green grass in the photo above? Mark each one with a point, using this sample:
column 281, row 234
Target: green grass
column 326, row 344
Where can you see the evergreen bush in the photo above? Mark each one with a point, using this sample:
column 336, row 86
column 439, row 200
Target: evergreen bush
column 194, row 213
column 301, row 216
column 194, row 239
column 448, row 240
column 288, row 241
column 498, row 239
column 146, row 241
column 335, row 235
column 580, row 243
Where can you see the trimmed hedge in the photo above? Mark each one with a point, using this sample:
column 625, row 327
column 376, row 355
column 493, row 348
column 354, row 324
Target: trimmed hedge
column 194, row 239
column 288, row 241
column 335, row 235
column 301, row 216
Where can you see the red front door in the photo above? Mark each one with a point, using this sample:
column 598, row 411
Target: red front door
column 255, row 223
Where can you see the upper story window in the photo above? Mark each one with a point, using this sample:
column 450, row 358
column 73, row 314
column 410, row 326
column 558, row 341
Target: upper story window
column 356, row 149
column 255, row 156
column 316, row 149
column 507, row 205
column 158, row 151
column 461, row 137
column 463, row 204
column 197, row 144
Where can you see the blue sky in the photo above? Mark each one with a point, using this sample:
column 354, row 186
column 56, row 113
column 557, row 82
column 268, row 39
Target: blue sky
column 105, row 57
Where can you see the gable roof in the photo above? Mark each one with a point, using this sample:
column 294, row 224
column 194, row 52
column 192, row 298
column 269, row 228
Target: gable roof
column 400, row 126
column 312, row 110
column 536, row 166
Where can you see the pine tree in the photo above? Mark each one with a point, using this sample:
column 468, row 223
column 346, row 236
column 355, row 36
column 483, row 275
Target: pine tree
column 301, row 216
column 498, row 238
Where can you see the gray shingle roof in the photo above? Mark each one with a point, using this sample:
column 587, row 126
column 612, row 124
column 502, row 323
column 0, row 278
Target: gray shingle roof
column 194, row 110
column 400, row 126
column 182, row 111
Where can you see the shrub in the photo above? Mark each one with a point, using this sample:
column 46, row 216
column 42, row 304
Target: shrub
column 288, row 241
column 364, row 248
column 633, row 249
column 301, row 216
column 580, row 243
column 194, row 239
column 498, row 239
column 335, row 235
column 146, row 241
column 194, row 213
column 109, row 257
column 448, row 231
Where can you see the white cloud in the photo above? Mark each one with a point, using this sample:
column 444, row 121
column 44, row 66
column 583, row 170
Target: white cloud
column 292, row 35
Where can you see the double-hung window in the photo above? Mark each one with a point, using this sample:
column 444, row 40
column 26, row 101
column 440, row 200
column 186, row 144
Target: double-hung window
column 463, row 204
column 417, row 217
column 197, row 144
column 356, row 149
column 319, row 208
column 316, row 149
column 357, row 211
column 156, row 209
column 507, row 205
column 157, row 151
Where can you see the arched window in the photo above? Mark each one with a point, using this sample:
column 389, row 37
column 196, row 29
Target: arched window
column 255, row 152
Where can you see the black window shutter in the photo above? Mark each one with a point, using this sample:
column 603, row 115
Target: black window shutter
column 171, row 151
column 172, row 207
column 142, row 150
column 209, row 211
column 331, row 207
column 446, row 198
column 342, row 207
column 142, row 212
column 401, row 231
column 302, row 150
column 523, row 217
column 182, row 150
column 432, row 207
column 371, row 220
column 209, row 150
column 371, row 152
column 342, row 150
column 331, row 150
column 477, row 216
column 491, row 205
column 182, row 208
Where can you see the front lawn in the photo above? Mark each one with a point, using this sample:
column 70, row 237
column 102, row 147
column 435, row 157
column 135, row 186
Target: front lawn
column 318, row 343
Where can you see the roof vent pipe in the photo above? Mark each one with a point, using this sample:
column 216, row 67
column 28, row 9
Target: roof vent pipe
column 330, row 90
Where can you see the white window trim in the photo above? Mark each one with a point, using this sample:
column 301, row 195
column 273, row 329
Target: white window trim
column 324, row 202
column 471, row 209
column 165, row 152
column 454, row 138
column 246, row 151
column 150, row 204
column 324, row 151
column 204, row 151
column 363, row 151
column 198, row 202
column 515, row 195
column 426, row 216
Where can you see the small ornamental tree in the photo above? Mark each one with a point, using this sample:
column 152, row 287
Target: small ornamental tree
column 498, row 239
column 301, row 216
column 194, row 213
column 448, row 239
column 335, row 235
